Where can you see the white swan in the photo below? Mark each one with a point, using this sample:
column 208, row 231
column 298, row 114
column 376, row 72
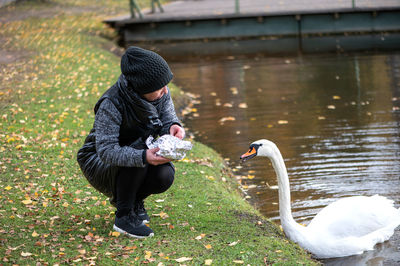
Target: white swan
column 346, row 227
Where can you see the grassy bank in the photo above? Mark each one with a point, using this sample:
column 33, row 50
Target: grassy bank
column 55, row 63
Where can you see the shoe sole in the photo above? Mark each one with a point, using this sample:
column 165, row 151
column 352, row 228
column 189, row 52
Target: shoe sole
column 119, row 230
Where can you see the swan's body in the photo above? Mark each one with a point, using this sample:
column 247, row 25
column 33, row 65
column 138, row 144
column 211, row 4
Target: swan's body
column 346, row 227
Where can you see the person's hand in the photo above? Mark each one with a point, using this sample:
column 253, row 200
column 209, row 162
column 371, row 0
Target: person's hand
column 154, row 159
column 177, row 131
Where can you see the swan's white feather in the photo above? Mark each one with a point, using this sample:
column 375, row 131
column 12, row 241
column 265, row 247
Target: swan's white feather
column 346, row 227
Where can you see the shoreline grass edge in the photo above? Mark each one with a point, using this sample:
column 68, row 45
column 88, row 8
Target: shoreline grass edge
column 55, row 68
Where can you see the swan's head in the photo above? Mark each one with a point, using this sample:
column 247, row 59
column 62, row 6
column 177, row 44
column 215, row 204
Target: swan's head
column 260, row 147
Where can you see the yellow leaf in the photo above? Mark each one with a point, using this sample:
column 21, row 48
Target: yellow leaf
column 65, row 204
column 8, row 188
column 238, row 261
column 208, row 246
column 147, row 255
column 34, row 234
column 116, row 234
column 27, row 201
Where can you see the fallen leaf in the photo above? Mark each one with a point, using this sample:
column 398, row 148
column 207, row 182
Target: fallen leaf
column 200, row 236
column 34, row 234
column 183, row 259
column 208, row 262
column 208, row 246
column 27, row 201
column 243, row 105
column 82, row 251
column 238, row 261
column 116, row 234
column 283, row 122
column 332, row 107
column 147, row 255
column 233, row 243
column 26, row 254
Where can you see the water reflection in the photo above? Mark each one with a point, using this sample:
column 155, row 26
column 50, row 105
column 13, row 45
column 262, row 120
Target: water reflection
column 335, row 119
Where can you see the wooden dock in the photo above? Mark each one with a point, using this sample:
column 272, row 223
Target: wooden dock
column 301, row 21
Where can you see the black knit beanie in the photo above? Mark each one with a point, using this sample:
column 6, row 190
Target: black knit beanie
column 146, row 71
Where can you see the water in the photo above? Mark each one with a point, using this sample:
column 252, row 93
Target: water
column 335, row 119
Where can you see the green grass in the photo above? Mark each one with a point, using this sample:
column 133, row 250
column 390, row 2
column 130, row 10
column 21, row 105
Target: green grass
column 49, row 213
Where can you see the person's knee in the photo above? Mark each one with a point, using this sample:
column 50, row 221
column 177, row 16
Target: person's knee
column 166, row 177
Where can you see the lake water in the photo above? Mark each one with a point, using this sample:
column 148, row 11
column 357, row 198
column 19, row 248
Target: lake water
column 335, row 119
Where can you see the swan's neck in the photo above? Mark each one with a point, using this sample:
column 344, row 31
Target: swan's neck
column 285, row 212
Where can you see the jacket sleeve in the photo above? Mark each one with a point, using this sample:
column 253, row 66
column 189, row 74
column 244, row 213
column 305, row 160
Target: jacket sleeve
column 168, row 115
column 107, row 125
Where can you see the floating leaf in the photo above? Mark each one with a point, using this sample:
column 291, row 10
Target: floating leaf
column 332, row 107
column 224, row 119
column 283, row 122
column 243, row 105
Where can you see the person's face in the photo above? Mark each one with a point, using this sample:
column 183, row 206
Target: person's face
column 155, row 95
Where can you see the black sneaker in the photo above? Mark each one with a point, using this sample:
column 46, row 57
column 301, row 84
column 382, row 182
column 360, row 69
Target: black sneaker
column 132, row 226
column 141, row 212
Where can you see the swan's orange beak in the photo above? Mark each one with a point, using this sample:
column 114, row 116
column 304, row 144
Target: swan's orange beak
column 248, row 155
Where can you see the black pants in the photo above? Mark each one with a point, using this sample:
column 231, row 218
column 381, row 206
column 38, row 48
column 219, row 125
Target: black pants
column 135, row 184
